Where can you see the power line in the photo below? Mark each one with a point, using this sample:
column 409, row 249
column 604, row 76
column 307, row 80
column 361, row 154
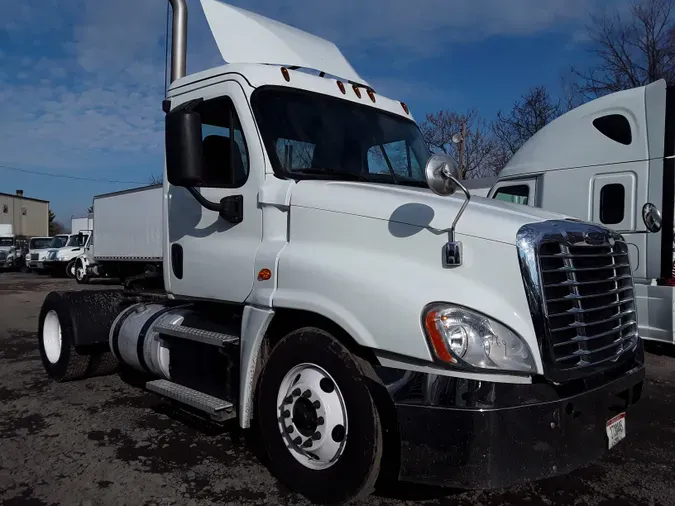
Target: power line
column 64, row 176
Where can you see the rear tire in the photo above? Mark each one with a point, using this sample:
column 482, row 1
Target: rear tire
column 81, row 273
column 61, row 360
column 325, row 440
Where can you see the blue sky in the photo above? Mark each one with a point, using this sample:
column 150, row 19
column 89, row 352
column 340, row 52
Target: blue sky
column 81, row 81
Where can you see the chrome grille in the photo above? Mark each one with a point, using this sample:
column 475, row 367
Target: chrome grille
column 580, row 287
column 34, row 256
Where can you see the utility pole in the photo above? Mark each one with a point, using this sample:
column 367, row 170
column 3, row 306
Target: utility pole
column 462, row 140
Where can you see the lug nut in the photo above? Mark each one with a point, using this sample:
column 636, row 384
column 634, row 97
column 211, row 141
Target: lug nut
column 297, row 440
column 296, row 392
column 316, row 404
column 288, row 400
column 307, row 444
column 285, row 413
column 316, row 436
column 319, row 421
column 306, row 393
column 290, row 429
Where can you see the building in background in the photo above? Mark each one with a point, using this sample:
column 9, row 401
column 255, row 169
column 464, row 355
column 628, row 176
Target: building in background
column 29, row 217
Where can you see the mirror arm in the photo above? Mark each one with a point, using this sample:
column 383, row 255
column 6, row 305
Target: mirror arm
column 451, row 230
column 229, row 208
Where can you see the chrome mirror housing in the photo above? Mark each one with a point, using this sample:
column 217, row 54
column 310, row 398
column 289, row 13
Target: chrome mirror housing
column 442, row 174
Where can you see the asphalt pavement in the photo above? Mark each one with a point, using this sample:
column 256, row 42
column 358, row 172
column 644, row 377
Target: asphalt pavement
column 104, row 441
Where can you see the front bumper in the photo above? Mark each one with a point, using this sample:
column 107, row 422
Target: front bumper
column 479, row 435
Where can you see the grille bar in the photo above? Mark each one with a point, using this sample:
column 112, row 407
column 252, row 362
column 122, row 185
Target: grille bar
column 578, row 337
column 572, row 296
column 570, row 268
column 586, row 283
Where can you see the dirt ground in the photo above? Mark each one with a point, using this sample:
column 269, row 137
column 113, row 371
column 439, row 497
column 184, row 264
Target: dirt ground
column 104, row 442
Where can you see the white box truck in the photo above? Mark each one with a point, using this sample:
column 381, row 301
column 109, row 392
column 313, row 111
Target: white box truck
column 81, row 224
column 330, row 281
column 127, row 238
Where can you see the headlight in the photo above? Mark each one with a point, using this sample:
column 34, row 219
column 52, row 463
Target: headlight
column 470, row 340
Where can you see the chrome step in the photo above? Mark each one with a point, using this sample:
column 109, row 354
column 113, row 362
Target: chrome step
column 199, row 335
column 218, row 409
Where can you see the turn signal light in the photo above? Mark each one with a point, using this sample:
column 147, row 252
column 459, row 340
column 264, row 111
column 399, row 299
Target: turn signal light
column 264, row 274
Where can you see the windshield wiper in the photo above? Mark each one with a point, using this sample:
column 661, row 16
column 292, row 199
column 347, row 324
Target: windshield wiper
column 321, row 171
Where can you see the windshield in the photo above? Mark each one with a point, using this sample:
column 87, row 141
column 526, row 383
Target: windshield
column 77, row 240
column 6, row 242
column 58, row 241
column 40, row 243
column 308, row 134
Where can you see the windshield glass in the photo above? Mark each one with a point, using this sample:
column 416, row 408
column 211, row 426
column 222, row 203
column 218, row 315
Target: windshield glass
column 6, row 242
column 39, row 243
column 77, row 240
column 58, row 241
column 311, row 134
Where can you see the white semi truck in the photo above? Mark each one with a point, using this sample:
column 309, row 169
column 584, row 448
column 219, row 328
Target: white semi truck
column 330, row 281
column 612, row 161
column 127, row 238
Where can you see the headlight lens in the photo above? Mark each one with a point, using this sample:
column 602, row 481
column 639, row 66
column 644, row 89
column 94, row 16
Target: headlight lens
column 469, row 340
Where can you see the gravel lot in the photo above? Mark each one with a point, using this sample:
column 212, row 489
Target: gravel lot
column 105, row 442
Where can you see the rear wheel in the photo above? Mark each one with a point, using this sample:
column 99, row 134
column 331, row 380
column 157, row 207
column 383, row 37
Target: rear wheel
column 56, row 341
column 320, row 424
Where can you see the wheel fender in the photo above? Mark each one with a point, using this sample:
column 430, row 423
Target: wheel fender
column 254, row 324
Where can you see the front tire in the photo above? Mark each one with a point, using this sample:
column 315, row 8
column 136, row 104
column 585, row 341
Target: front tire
column 81, row 273
column 318, row 419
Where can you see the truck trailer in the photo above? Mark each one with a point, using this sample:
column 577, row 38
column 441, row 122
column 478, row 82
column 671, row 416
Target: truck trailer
column 611, row 161
column 330, row 281
column 127, row 239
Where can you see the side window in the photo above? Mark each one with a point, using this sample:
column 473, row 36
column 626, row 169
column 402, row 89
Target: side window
column 294, row 154
column 612, row 203
column 517, row 193
column 396, row 155
column 223, row 144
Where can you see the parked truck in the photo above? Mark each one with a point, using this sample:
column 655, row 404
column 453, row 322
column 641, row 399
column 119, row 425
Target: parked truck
column 78, row 224
column 12, row 249
column 330, row 281
column 38, row 248
column 127, row 238
column 611, row 161
column 63, row 250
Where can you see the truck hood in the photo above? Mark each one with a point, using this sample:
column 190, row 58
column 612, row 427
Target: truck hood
column 484, row 218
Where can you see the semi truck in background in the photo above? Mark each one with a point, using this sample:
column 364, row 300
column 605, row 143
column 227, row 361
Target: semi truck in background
column 38, row 248
column 612, row 161
column 329, row 280
column 127, row 238
column 12, row 249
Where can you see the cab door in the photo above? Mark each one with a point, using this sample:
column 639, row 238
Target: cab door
column 205, row 255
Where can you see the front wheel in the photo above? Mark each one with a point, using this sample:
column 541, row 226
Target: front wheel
column 318, row 419
column 81, row 273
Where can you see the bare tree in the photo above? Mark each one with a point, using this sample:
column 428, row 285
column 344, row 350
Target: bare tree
column 438, row 130
column 631, row 50
column 530, row 114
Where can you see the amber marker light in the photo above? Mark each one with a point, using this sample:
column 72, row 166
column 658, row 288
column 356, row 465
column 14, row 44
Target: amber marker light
column 371, row 94
column 264, row 274
column 342, row 87
column 405, row 108
column 357, row 91
column 286, row 74
column 431, row 324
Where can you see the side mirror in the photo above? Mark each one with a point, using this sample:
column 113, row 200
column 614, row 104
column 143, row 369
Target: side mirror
column 442, row 174
column 183, row 139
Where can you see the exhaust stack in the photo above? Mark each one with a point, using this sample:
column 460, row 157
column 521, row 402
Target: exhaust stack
column 178, row 38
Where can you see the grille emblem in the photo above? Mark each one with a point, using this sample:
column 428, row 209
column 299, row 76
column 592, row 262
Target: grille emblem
column 595, row 238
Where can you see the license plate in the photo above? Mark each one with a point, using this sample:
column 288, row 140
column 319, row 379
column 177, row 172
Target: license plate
column 616, row 429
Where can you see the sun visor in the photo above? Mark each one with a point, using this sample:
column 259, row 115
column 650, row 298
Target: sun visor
column 245, row 37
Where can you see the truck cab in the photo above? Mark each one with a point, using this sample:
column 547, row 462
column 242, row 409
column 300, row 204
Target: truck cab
column 609, row 161
column 38, row 248
column 330, row 281
column 12, row 249
column 63, row 249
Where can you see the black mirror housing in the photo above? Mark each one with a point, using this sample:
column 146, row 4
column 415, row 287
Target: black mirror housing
column 183, row 140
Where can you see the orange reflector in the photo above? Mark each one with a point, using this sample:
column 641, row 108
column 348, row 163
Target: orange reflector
column 437, row 341
column 405, row 108
column 371, row 94
column 342, row 87
column 286, row 74
column 357, row 91
column 264, row 274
